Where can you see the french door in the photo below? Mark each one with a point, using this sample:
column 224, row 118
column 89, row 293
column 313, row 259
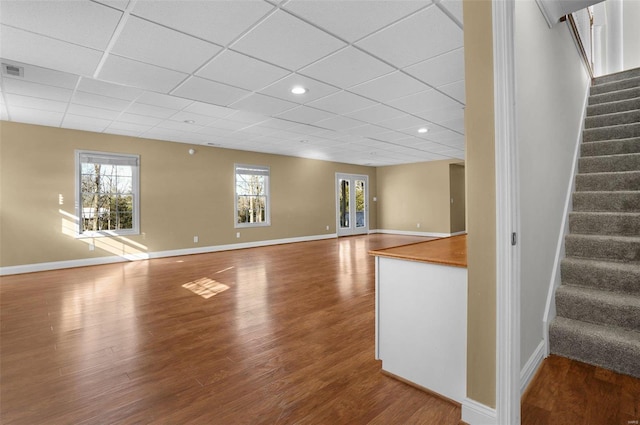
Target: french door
column 352, row 204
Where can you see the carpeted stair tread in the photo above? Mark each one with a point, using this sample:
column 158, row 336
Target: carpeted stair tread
column 614, row 96
column 598, row 306
column 610, row 147
column 616, row 118
column 611, row 86
column 609, row 163
column 613, row 107
column 622, row 75
column 612, row 132
column 607, row 201
column 609, row 347
column 605, row 223
column 604, row 247
column 612, row 276
column 626, row 180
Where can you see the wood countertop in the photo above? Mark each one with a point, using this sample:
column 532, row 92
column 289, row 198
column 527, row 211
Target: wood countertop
column 450, row 251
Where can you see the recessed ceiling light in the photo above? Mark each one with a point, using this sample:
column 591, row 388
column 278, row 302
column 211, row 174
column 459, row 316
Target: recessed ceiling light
column 298, row 90
column 190, row 121
column 304, row 141
column 423, row 130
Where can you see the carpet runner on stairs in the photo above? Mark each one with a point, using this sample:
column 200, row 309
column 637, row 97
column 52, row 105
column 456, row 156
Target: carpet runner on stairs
column 598, row 301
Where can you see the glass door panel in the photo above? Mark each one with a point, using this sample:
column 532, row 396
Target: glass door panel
column 361, row 219
column 343, row 203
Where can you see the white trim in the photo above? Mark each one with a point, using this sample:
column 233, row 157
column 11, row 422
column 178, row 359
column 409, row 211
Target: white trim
column 352, row 230
column 412, row 233
column 550, row 307
column 531, row 367
column 507, row 256
column 38, row 267
column 475, row 413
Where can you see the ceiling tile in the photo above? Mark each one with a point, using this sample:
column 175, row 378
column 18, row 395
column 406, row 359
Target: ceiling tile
column 36, row 103
column 367, row 130
column 215, row 131
column 150, row 110
column 36, row 74
column 209, row 91
column 83, row 23
column 141, row 75
column 116, row 4
column 150, row 43
column 89, row 111
column 26, row 88
column 180, row 125
column 97, row 101
column 440, row 70
column 163, row 100
column 104, row 88
column 47, row 52
column 424, row 101
column 139, row 119
column 226, row 124
column 305, row 114
column 455, row 90
column 403, row 43
column 339, row 123
column 375, row 113
column 125, row 126
column 445, row 114
column 201, row 120
column 347, row 68
column 217, row 21
column 388, row 87
column 288, row 41
column 208, row 110
column 315, row 89
column 346, row 18
column 342, row 103
column 35, row 116
column 241, row 71
column 454, row 7
column 248, row 117
column 85, row 123
column 263, row 104
column 402, row 122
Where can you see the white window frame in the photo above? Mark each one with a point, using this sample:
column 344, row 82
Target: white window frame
column 259, row 170
column 82, row 156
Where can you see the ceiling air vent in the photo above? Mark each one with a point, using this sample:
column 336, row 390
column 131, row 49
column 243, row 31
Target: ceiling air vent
column 12, row 70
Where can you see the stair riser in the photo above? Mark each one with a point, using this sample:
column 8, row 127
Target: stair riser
column 614, row 96
column 613, row 107
column 598, row 224
column 593, row 349
column 603, row 277
column 623, row 75
column 606, row 164
column 606, row 201
column 609, row 250
column 618, row 118
column 628, row 83
column 608, row 181
column 611, row 133
column 613, row 147
column 589, row 310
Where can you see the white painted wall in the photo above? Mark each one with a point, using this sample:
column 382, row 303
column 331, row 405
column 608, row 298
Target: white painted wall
column 631, row 33
column 551, row 85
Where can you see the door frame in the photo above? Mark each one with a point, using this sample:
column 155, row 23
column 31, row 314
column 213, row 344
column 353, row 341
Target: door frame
column 352, row 230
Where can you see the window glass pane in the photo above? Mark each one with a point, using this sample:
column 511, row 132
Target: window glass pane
column 252, row 189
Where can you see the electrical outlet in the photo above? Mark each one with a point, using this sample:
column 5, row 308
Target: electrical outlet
column 195, row 239
column 327, row 227
column 92, row 247
column 238, row 235
column 418, row 225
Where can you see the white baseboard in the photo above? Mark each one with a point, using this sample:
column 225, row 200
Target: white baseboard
column 56, row 265
column 529, row 370
column 475, row 413
column 412, row 233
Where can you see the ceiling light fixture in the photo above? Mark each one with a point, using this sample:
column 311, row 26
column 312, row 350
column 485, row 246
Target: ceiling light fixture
column 189, row 121
column 423, row 130
column 298, row 90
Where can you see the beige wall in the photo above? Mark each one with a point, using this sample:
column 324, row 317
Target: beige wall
column 181, row 195
column 414, row 193
column 457, row 195
column 481, row 201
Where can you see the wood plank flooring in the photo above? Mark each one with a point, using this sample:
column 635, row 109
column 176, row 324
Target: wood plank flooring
column 273, row 335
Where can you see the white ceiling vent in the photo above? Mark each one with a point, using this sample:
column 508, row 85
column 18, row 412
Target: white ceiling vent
column 12, row 70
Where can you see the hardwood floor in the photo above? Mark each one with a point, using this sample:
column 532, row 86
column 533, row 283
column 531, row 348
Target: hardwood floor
column 273, row 335
column 569, row 392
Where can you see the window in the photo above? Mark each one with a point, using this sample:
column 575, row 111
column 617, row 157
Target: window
column 108, row 198
column 252, row 195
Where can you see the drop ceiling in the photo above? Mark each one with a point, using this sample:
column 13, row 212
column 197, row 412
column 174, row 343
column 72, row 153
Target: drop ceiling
column 220, row 72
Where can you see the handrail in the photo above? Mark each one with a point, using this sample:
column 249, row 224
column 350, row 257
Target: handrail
column 587, row 58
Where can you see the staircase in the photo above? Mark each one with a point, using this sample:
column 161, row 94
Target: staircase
column 598, row 301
